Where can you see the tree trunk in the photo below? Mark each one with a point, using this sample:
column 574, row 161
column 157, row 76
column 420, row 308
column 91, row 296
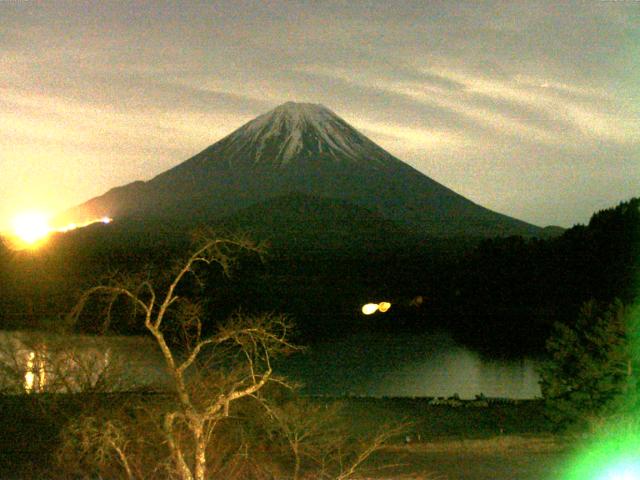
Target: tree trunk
column 200, row 454
column 296, row 469
column 176, row 452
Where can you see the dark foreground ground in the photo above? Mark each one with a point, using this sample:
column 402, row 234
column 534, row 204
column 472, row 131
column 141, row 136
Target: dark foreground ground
column 498, row 458
column 451, row 441
column 478, row 440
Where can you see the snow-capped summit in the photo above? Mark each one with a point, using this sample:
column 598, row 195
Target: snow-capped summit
column 307, row 150
column 301, row 132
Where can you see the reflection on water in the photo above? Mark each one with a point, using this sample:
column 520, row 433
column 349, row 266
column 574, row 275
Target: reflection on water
column 430, row 365
column 373, row 364
column 36, row 362
column 35, row 377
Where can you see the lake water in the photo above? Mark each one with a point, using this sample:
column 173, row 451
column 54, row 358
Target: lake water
column 38, row 362
column 410, row 365
column 369, row 364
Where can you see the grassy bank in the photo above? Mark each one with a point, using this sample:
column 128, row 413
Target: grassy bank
column 430, row 419
column 30, row 425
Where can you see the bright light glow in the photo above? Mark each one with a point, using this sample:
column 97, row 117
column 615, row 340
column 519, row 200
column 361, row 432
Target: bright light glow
column 35, row 376
column 75, row 226
column 611, row 455
column 68, row 228
column 31, row 227
column 29, row 376
column 384, row 306
column 629, row 470
column 370, row 308
column 42, row 374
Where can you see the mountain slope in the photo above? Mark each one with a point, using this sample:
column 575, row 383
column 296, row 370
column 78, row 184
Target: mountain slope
column 300, row 221
column 307, row 149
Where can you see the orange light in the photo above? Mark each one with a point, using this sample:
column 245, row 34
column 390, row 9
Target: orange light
column 371, row 308
column 31, row 227
column 384, row 306
column 75, row 226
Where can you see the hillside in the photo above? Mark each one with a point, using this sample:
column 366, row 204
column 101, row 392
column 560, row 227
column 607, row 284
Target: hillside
column 298, row 149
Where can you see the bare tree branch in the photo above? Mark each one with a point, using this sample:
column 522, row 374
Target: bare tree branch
column 256, row 339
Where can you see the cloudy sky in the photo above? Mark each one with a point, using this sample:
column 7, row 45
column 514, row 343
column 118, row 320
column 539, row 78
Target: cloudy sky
column 528, row 108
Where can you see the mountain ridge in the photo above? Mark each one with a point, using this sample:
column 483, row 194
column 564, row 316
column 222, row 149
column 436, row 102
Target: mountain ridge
column 306, row 148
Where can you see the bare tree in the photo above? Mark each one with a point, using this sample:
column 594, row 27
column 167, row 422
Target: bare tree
column 39, row 362
column 203, row 426
column 100, row 441
column 213, row 368
column 321, row 446
column 14, row 360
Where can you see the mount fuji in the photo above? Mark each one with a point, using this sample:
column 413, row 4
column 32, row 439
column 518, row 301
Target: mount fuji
column 305, row 152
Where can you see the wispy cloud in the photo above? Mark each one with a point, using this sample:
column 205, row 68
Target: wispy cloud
column 590, row 111
column 546, row 111
column 430, row 140
column 487, row 97
column 42, row 117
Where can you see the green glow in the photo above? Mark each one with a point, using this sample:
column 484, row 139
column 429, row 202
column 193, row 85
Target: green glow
column 613, row 453
column 615, row 456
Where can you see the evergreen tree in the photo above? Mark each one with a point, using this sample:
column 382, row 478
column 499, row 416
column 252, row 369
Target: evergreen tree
column 593, row 367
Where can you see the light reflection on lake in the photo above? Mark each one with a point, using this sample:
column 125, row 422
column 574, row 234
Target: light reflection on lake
column 369, row 364
column 430, row 365
column 38, row 362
